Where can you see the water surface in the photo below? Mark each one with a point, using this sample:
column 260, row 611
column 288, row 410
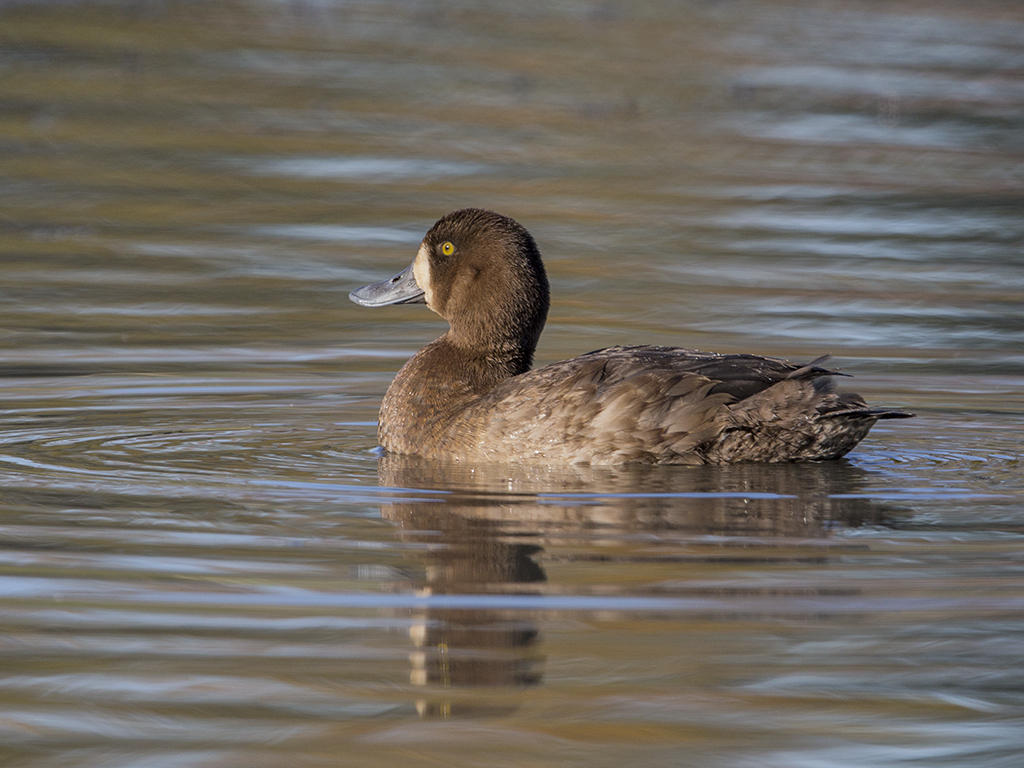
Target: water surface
column 204, row 561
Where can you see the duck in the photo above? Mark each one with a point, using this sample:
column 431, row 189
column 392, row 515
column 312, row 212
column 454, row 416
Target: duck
column 472, row 395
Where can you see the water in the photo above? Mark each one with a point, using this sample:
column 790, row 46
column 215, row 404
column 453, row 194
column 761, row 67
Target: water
column 203, row 562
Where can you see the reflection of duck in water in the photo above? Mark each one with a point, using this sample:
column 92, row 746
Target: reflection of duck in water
column 471, row 394
column 490, row 531
column 478, row 646
column 792, row 500
column 460, row 648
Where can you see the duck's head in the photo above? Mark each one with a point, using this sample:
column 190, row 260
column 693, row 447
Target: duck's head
column 482, row 273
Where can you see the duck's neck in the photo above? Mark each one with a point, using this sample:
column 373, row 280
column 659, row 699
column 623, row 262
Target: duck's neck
column 437, row 384
column 449, row 358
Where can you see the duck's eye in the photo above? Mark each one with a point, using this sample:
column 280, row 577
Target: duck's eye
column 447, row 248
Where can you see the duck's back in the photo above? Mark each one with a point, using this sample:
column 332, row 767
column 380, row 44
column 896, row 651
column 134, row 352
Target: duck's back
column 662, row 405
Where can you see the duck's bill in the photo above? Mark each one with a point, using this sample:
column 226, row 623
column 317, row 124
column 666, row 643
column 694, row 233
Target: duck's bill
column 400, row 289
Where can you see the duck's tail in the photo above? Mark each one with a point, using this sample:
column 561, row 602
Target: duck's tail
column 867, row 413
column 849, row 405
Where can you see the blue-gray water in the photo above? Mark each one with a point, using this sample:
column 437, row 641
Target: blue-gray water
column 202, row 561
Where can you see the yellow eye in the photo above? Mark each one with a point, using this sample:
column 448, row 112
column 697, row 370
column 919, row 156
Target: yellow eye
column 447, row 248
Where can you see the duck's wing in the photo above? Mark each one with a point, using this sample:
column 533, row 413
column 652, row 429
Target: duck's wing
column 592, row 414
column 746, row 376
column 616, row 405
column 664, row 404
column 738, row 375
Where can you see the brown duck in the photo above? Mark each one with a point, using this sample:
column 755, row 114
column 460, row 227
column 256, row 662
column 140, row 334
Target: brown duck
column 471, row 395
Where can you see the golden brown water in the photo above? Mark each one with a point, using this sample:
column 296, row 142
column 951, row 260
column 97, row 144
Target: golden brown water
column 204, row 563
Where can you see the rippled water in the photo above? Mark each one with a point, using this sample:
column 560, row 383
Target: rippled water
column 203, row 562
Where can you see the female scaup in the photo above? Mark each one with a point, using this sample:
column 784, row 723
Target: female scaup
column 470, row 395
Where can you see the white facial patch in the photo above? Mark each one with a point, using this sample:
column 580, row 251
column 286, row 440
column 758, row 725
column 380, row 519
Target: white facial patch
column 421, row 271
